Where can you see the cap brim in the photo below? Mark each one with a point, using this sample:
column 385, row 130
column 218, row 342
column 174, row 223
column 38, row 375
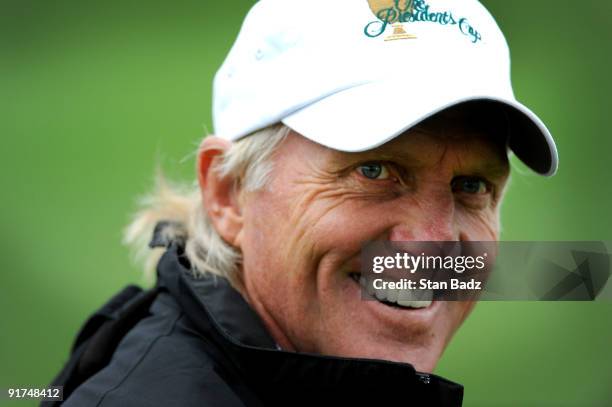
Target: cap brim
column 367, row 116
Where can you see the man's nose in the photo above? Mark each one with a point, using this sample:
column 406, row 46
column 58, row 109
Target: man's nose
column 430, row 220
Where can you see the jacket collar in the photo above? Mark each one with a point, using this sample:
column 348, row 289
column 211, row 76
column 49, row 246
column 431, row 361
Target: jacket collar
column 221, row 314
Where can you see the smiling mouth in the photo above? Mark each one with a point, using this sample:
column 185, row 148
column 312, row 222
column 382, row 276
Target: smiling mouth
column 400, row 299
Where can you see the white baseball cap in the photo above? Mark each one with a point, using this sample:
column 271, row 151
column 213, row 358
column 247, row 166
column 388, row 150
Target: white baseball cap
column 354, row 74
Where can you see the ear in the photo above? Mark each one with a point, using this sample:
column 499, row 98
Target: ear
column 219, row 194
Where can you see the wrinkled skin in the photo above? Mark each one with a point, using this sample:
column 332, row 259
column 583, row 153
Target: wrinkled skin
column 301, row 235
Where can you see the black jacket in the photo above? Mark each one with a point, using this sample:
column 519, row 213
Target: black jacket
column 202, row 345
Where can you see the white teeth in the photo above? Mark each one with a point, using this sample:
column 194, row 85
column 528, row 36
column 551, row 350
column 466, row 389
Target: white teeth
column 414, row 304
column 403, row 298
column 368, row 287
column 381, row 295
column 415, row 299
column 392, row 295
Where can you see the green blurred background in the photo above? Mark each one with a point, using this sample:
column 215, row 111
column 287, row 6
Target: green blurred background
column 95, row 94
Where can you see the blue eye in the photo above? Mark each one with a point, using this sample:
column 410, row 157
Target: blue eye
column 374, row 171
column 470, row 185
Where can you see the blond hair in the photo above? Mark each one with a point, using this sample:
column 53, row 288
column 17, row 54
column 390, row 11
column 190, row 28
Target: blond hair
column 248, row 162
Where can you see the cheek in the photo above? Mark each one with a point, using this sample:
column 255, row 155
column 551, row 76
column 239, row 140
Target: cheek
column 326, row 221
column 341, row 227
column 264, row 255
column 480, row 226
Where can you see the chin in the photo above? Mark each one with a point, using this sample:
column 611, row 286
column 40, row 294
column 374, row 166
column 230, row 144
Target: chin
column 380, row 329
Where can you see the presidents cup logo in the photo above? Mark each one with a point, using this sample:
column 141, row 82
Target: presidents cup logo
column 390, row 12
column 399, row 12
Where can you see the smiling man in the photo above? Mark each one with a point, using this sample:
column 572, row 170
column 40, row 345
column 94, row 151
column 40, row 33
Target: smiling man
column 336, row 123
column 301, row 234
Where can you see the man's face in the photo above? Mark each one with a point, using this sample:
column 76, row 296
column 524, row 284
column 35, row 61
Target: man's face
column 302, row 235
